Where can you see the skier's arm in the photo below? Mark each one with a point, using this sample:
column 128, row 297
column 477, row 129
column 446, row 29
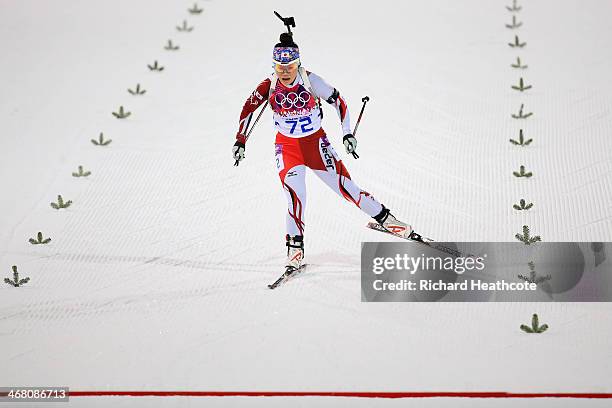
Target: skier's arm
column 257, row 98
column 333, row 97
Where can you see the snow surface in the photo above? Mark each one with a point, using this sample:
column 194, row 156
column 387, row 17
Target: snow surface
column 156, row 276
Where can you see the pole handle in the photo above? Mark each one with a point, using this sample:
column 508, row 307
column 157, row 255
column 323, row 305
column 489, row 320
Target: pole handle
column 252, row 127
column 365, row 100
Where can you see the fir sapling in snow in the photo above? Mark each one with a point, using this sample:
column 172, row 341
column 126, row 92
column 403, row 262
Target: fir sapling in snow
column 533, row 278
column 101, row 141
column 16, row 282
column 195, row 9
column 60, row 203
column 184, row 27
column 521, row 86
column 518, row 64
column 522, row 115
column 517, row 43
column 526, row 238
column 522, row 206
column 82, row 173
column 514, row 8
column 170, row 46
column 122, row 114
column 522, row 173
column 521, row 141
column 514, row 24
column 535, row 326
column 155, row 67
column 39, row 239
column 137, row 91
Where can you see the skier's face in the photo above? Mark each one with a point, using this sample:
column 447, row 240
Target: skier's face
column 286, row 73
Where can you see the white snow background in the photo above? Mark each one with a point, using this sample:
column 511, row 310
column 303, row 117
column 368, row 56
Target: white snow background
column 155, row 278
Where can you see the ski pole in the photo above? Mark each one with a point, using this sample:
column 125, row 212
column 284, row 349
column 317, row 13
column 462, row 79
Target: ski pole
column 250, row 130
column 365, row 100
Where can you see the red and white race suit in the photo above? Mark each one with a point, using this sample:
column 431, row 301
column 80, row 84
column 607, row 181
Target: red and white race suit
column 301, row 142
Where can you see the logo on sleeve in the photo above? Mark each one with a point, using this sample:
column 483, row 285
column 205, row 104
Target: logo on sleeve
column 254, row 95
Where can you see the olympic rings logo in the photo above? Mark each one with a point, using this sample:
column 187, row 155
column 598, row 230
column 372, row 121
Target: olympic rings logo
column 292, row 99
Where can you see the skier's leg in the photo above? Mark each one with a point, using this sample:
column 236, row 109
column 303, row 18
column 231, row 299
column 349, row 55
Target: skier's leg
column 291, row 171
column 293, row 181
column 324, row 161
column 329, row 168
column 340, row 181
column 295, row 190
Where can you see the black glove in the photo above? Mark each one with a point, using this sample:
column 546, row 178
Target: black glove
column 350, row 144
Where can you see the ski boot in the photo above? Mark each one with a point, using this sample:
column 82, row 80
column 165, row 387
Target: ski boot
column 295, row 251
column 392, row 224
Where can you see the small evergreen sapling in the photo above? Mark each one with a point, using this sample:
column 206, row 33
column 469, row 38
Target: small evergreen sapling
column 522, row 173
column 137, row 91
column 526, row 238
column 184, row 27
column 535, row 326
column 170, row 46
column 60, row 203
column 155, row 67
column 514, row 24
column 16, row 282
column 522, row 206
column 517, row 43
column 521, row 141
column 533, row 278
column 82, row 173
column 39, row 239
column 518, row 64
column 195, row 9
column 514, row 8
column 122, row 114
column 521, row 115
column 101, row 141
column 521, row 86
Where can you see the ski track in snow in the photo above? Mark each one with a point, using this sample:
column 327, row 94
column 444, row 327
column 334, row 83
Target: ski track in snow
column 156, row 276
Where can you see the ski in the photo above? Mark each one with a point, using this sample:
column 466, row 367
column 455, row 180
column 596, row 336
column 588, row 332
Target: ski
column 290, row 272
column 414, row 236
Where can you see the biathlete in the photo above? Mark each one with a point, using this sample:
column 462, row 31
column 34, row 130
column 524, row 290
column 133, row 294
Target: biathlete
column 294, row 95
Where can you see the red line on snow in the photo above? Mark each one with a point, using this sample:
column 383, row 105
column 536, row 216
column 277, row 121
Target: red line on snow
column 337, row 394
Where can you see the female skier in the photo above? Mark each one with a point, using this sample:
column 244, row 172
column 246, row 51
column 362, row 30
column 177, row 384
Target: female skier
column 294, row 95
